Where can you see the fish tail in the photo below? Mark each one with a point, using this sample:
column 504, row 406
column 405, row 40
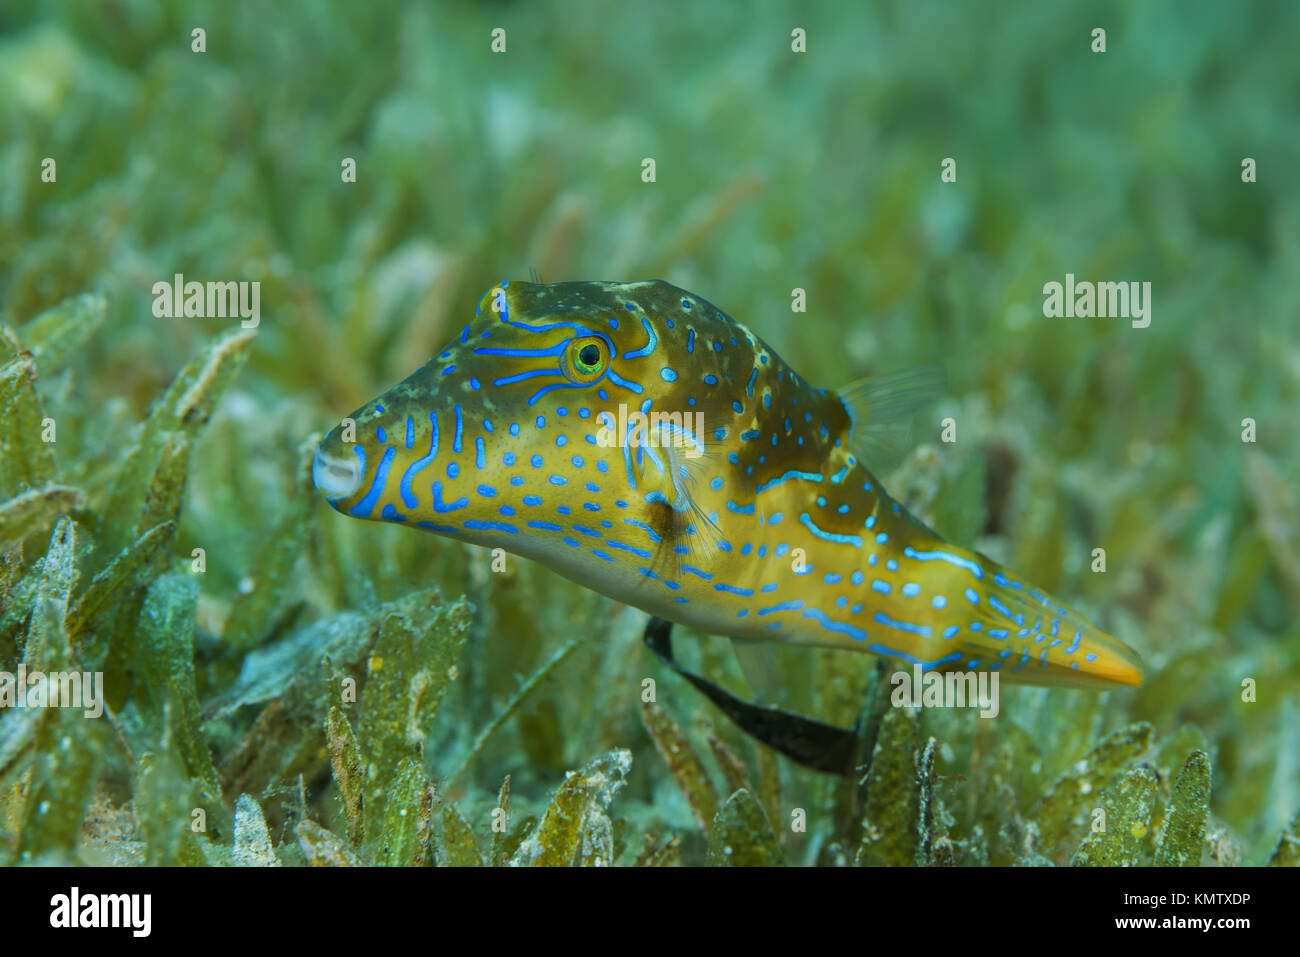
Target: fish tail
column 993, row 620
column 1041, row 641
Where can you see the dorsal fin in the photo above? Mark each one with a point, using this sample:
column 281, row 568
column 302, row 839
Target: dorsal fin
column 882, row 409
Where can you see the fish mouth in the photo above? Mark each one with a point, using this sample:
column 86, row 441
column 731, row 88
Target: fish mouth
column 336, row 478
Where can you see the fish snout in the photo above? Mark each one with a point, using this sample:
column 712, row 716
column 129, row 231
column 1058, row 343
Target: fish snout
column 336, row 477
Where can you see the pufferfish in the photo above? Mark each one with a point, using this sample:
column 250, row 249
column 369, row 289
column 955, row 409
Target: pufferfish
column 643, row 443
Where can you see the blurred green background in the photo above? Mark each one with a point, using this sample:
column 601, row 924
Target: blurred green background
column 775, row 170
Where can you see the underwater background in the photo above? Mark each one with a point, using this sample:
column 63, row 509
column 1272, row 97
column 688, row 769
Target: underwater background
column 286, row 685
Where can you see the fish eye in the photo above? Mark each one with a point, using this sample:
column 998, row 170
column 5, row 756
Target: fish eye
column 586, row 359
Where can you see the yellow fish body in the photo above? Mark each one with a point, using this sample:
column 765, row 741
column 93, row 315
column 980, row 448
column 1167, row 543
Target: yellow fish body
column 643, row 443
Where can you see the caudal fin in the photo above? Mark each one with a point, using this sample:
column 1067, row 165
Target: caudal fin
column 1031, row 638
